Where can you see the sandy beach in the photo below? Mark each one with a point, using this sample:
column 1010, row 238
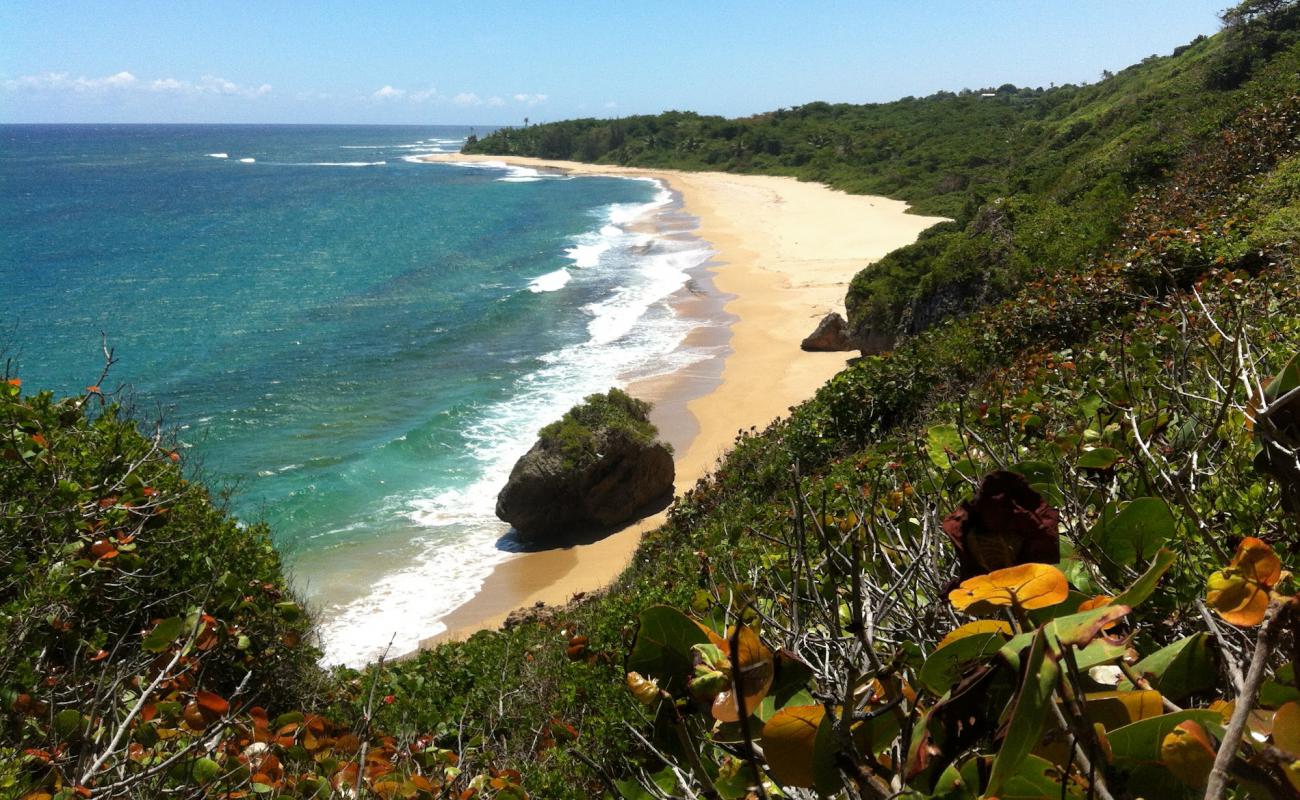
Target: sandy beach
column 785, row 253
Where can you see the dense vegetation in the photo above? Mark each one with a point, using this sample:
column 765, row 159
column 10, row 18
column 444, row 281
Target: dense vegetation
column 615, row 412
column 1036, row 180
column 1040, row 548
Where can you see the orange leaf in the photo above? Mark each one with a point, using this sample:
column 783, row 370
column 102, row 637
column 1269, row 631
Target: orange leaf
column 212, row 703
column 754, row 663
column 789, row 738
column 1028, row 585
column 1240, row 592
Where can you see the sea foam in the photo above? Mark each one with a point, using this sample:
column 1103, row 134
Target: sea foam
column 632, row 332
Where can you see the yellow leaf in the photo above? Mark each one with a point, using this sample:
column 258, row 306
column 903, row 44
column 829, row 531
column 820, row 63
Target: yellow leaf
column 1286, row 729
column 973, row 628
column 1188, row 753
column 1028, row 585
column 1120, row 708
column 789, row 738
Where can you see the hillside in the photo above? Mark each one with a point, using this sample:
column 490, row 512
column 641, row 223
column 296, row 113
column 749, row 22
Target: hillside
column 1035, row 179
column 1040, row 546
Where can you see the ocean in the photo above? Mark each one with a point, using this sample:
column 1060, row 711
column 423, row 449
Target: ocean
column 356, row 344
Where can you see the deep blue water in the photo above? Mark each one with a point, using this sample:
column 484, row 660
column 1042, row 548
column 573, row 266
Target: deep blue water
column 359, row 344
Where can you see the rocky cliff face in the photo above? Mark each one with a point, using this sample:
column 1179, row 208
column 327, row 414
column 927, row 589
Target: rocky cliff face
column 831, row 335
column 550, row 496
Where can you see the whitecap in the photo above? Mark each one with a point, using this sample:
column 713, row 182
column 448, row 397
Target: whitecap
column 247, row 160
column 550, row 282
column 338, row 164
column 218, row 155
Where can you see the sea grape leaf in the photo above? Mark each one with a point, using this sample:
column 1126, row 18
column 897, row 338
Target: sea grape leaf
column 1179, row 669
column 753, row 661
column 662, row 648
column 1074, row 628
column 1188, row 753
column 1142, row 588
column 946, row 664
column 1119, row 708
column 1240, row 592
column 1028, row 712
column 1286, row 728
column 664, row 780
column 1036, row 472
column 972, row 628
column 1028, row 585
column 799, row 746
column 1140, row 741
column 1100, row 458
column 1281, row 689
column 943, row 445
column 1136, row 532
column 163, row 634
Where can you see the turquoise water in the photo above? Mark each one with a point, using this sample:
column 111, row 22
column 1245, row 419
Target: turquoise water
column 359, row 344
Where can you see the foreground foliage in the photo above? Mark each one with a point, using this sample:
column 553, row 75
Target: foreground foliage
column 1041, row 548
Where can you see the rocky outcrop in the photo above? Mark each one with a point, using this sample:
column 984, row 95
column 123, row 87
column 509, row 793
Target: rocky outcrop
column 553, row 494
column 831, row 335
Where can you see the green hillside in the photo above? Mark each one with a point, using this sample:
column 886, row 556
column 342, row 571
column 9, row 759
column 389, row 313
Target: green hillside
column 1041, row 546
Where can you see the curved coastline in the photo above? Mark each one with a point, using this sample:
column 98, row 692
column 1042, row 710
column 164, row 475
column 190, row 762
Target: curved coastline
column 784, row 254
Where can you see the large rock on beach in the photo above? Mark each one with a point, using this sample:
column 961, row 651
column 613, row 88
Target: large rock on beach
column 831, row 335
column 598, row 467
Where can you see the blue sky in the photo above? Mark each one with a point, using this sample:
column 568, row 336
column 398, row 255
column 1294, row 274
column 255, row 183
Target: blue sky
column 486, row 62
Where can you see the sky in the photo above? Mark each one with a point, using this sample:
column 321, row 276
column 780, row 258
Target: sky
column 490, row 63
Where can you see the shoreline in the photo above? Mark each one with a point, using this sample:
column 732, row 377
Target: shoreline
column 784, row 252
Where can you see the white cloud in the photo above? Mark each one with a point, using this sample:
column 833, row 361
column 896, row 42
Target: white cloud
column 388, row 93
column 494, row 101
column 531, row 99
column 467, row 99
column 62, row 82
column 611, row 104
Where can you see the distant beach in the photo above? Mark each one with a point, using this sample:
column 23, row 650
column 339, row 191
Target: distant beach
column 785, row 252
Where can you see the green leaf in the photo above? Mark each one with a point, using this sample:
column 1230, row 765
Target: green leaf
column 944, row 445
column 1285, row 380
column 1098, row 458
column 1071, row 627
column 205, row 770
column 1142, row 588
column 1036, row 471
column 1180, row 669
column 1281, row 689
column 945, row 665
column 67, row 722
column 163, row 634
column 662, row 649
column 1027, row 714
column 1140, row 741
column 1136, row 532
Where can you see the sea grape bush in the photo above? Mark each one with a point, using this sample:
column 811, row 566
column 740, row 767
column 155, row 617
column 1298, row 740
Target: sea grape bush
column 151, row 645
column 1073, row 673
